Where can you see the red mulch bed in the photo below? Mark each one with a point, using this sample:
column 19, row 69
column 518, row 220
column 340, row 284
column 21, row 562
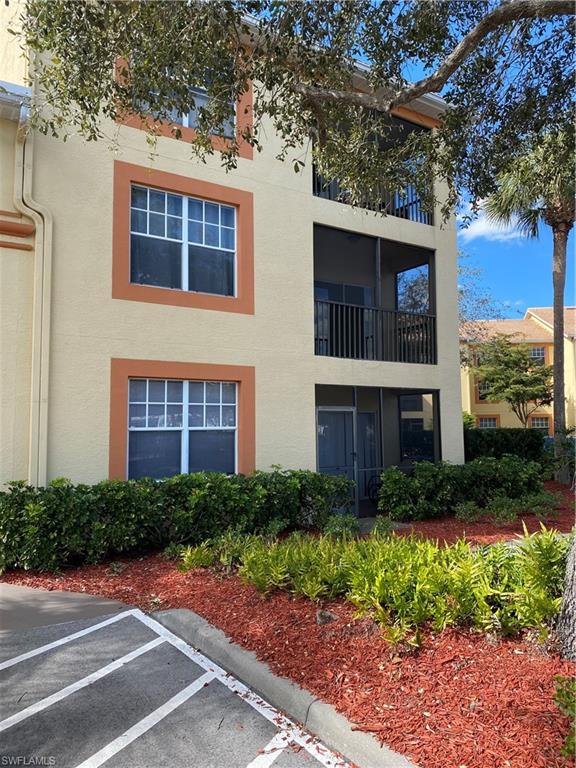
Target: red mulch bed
column 449, row 529
column 462, row 701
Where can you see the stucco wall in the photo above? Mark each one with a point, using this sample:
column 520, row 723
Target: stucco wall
column 16, row 290
column 13, row 66
column 506, row 416
column 74, row 180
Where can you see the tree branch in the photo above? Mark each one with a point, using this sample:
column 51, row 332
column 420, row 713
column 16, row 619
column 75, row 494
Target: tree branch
column 388, row 98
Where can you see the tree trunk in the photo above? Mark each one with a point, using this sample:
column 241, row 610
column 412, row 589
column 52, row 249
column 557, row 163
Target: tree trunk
column 560, row 234
column 566, row 627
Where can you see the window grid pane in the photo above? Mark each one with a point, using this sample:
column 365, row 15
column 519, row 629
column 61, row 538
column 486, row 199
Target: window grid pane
column 212, row 224
column 162, row 210
column 159, row 404
column 208, row 241
column 487, row 422
column 156, row 409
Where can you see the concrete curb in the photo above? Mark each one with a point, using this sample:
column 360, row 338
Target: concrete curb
column 317, row 716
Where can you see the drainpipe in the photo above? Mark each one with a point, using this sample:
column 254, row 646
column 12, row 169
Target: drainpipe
column 25, row 203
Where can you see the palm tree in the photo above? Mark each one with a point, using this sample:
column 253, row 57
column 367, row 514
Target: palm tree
column 539, row 189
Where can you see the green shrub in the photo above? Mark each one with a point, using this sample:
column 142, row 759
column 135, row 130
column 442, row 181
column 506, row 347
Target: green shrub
column 383, row 526
column 544, row 504
column 468, row 512
column 64, row 524
column 403, row 582
column 341, row 525
column 435, row 490
column 525, row 443
column 503, row 510
column 565, row 698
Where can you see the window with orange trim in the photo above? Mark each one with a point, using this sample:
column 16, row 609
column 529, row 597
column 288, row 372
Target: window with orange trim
column 541, row 423
column 181, row 241
column 182, row 127
column 488, row 422
column 170, row 418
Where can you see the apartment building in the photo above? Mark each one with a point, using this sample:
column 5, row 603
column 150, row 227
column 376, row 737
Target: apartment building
column 159, row 315
column 536, row 329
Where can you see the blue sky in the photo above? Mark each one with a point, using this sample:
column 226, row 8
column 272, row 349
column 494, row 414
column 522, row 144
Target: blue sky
column 516, row 271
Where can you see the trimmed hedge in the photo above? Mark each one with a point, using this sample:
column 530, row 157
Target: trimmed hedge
column 64, row 524
column 434, row 490
column 526, row 443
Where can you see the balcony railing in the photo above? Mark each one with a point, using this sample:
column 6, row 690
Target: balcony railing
column 404, row 206
column 369, row 333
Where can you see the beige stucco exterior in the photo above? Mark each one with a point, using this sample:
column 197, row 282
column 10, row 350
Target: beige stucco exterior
column 534, row 331
column 74, row 182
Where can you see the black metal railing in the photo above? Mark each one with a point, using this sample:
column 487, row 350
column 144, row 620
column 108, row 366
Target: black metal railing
column 404, row 206
column 370, row 333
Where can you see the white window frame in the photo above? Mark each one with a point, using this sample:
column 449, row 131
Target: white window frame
column 183, row 240
column 185, row 429
column 486, row 389
column 542, row 428
column 184, row 119
column 485, row 418
column 541, row 359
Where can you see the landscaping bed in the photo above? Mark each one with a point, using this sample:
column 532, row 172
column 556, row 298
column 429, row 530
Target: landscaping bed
column 461, row 700
column 449, row 529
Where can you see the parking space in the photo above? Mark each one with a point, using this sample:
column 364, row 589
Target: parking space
column 125, row 692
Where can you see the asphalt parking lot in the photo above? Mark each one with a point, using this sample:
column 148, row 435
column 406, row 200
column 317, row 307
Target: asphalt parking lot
column 125, row 692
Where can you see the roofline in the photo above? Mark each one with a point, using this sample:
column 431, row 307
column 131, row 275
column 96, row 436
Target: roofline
column 534, row 312
column 12, row 98
column 429, row 103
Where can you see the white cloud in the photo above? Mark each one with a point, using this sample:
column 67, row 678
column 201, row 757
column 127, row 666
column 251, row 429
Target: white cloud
column 481, row 227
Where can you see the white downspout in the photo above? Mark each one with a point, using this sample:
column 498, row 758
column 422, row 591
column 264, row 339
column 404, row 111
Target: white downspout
column 25, row 203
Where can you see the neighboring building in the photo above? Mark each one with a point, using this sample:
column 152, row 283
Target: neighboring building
column 163, row 316
column 536, row 330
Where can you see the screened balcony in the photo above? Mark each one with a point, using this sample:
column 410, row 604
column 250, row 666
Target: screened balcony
column 363, row 430
column 406, row 204
column 369, row 333
column 373, row 299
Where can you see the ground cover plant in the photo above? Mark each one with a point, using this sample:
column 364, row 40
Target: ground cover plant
column 405, row 582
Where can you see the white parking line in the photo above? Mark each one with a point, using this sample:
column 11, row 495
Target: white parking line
column 146, row 723
column 303, row 739
column 67, row 639
column 78, row 685
column 288, row 732
column 271, row 751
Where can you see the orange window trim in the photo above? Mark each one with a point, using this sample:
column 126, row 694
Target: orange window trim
column 121, row 370
column 16, row 229
column 124, row 175
column 16, row 246
column 165, row 128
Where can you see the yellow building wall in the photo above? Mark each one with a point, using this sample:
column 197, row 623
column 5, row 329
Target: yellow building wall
column 506, row 417
column 16, row 292
column 88, row 328
column 13, row 65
